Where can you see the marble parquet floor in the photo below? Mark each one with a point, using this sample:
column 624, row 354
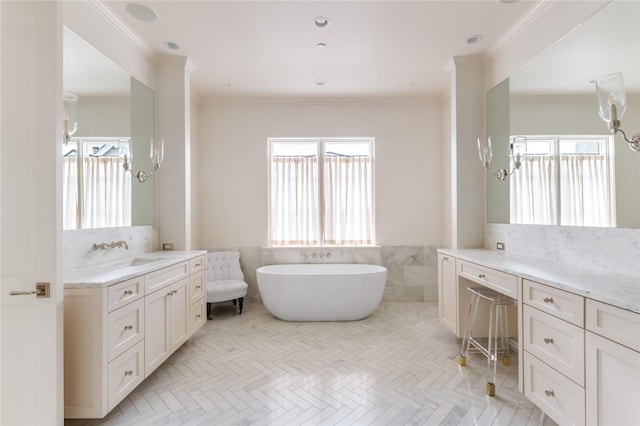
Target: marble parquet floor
column 397, row 367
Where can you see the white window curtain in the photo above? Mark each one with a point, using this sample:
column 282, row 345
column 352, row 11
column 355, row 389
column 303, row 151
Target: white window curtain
column 533, row 191
column 584, row 190
column 70, row 192
column 348, row 213
column 106, row 193
column 294, row 201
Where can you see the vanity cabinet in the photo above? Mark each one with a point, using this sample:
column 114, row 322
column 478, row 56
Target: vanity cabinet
column 116, row 336
column 447, row 292
column 612, row 354
column 553, row 343
column 579, row 357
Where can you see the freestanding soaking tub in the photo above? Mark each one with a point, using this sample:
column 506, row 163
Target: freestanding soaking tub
column 321, row 292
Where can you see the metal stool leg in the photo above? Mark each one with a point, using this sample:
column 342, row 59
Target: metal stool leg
column 466, row 340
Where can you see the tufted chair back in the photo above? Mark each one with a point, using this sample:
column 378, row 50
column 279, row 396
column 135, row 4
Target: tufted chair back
column 224, row 265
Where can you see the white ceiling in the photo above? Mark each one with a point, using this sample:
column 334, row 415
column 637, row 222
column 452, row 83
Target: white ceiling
column 374, row 48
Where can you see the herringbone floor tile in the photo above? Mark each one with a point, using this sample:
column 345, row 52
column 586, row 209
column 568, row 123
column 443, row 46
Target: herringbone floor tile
column 397, row 367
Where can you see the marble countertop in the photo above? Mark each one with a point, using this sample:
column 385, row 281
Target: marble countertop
column 106, row 274
column 619, row 290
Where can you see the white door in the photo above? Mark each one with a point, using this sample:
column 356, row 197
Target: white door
column 31, row 372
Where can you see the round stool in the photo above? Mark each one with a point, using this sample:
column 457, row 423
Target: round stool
column 498, row 339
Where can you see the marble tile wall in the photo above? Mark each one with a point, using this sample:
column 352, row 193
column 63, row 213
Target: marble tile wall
column 412, row 272
column 77, row 244
column 608, row 249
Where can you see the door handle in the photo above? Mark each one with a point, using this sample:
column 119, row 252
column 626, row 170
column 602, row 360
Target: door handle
column 42, row 290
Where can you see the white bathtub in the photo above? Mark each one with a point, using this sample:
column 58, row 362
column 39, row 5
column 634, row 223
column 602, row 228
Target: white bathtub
column 321, row 292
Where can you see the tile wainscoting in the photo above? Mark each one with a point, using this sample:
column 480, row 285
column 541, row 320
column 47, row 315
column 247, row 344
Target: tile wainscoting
column 609, row 249
column 412, row 271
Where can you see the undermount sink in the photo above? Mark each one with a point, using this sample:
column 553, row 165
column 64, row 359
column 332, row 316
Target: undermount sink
column 137, row 261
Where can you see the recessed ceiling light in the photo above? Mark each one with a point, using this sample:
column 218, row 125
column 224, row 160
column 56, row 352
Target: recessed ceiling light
column 321, row 46
column 320, row 82
column 321, row 22
column 141, row 12
column 171, row 45
column 473, row 39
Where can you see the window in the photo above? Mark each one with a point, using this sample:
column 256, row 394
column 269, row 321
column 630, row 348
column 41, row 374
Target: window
column 96, row 188
column 565, row 180
column 328, row 205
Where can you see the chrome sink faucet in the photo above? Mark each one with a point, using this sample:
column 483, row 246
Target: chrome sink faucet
column 112, row 244
column 120, row 243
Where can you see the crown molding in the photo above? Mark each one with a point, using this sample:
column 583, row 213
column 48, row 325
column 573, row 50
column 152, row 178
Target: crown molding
column 117, row 23
column 525, row 22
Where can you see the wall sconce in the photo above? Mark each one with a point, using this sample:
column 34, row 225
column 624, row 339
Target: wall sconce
column 156, row 155
column 517, row 149
column 69, row 116
column 612, row 105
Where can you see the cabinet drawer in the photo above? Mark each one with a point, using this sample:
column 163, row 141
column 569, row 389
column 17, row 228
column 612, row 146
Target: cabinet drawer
column 197, row 316
column 125, row 328
column 165, row 276
column 559, row 398
column 556, row 342
column 196, row 264
column 125, row 292
column 196, row 287
column 614, row 323
column 564, row 305
column 125, row 373
column 500, row 281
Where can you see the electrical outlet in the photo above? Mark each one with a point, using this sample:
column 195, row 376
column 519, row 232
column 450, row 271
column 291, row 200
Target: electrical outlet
column 167, row 246
column 500, row 246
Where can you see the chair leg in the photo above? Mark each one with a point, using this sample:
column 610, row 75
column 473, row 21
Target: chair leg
column 240, row 303
column 208, row 310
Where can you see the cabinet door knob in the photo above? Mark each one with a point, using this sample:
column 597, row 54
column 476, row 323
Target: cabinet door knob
column 548, row 300
column 549, row 393
column 548, row 340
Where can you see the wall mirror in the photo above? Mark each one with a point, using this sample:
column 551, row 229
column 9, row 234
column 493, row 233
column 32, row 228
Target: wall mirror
column 111, row 106
column 552, row 101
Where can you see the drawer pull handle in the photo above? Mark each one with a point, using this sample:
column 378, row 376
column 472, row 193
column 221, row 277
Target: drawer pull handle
column 548, row 300
column 446, row 259
column 197, row 265
column 548, row 340
column 198, row 286
column 128, row 327
column 482, row 276
column 128, row 373
column 549, row 393
column 198, row 316
column 172, row 292
column 128, row 292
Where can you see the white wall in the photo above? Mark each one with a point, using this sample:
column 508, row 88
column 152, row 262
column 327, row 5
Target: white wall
column 104, row 116
column 408, row 163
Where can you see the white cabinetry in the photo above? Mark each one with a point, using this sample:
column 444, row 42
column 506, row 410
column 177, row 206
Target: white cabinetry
column 613, row 357
column 554, row 352
column 116, row 336
column 447, row 292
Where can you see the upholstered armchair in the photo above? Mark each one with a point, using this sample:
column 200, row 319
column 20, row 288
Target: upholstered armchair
column 225, row 280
